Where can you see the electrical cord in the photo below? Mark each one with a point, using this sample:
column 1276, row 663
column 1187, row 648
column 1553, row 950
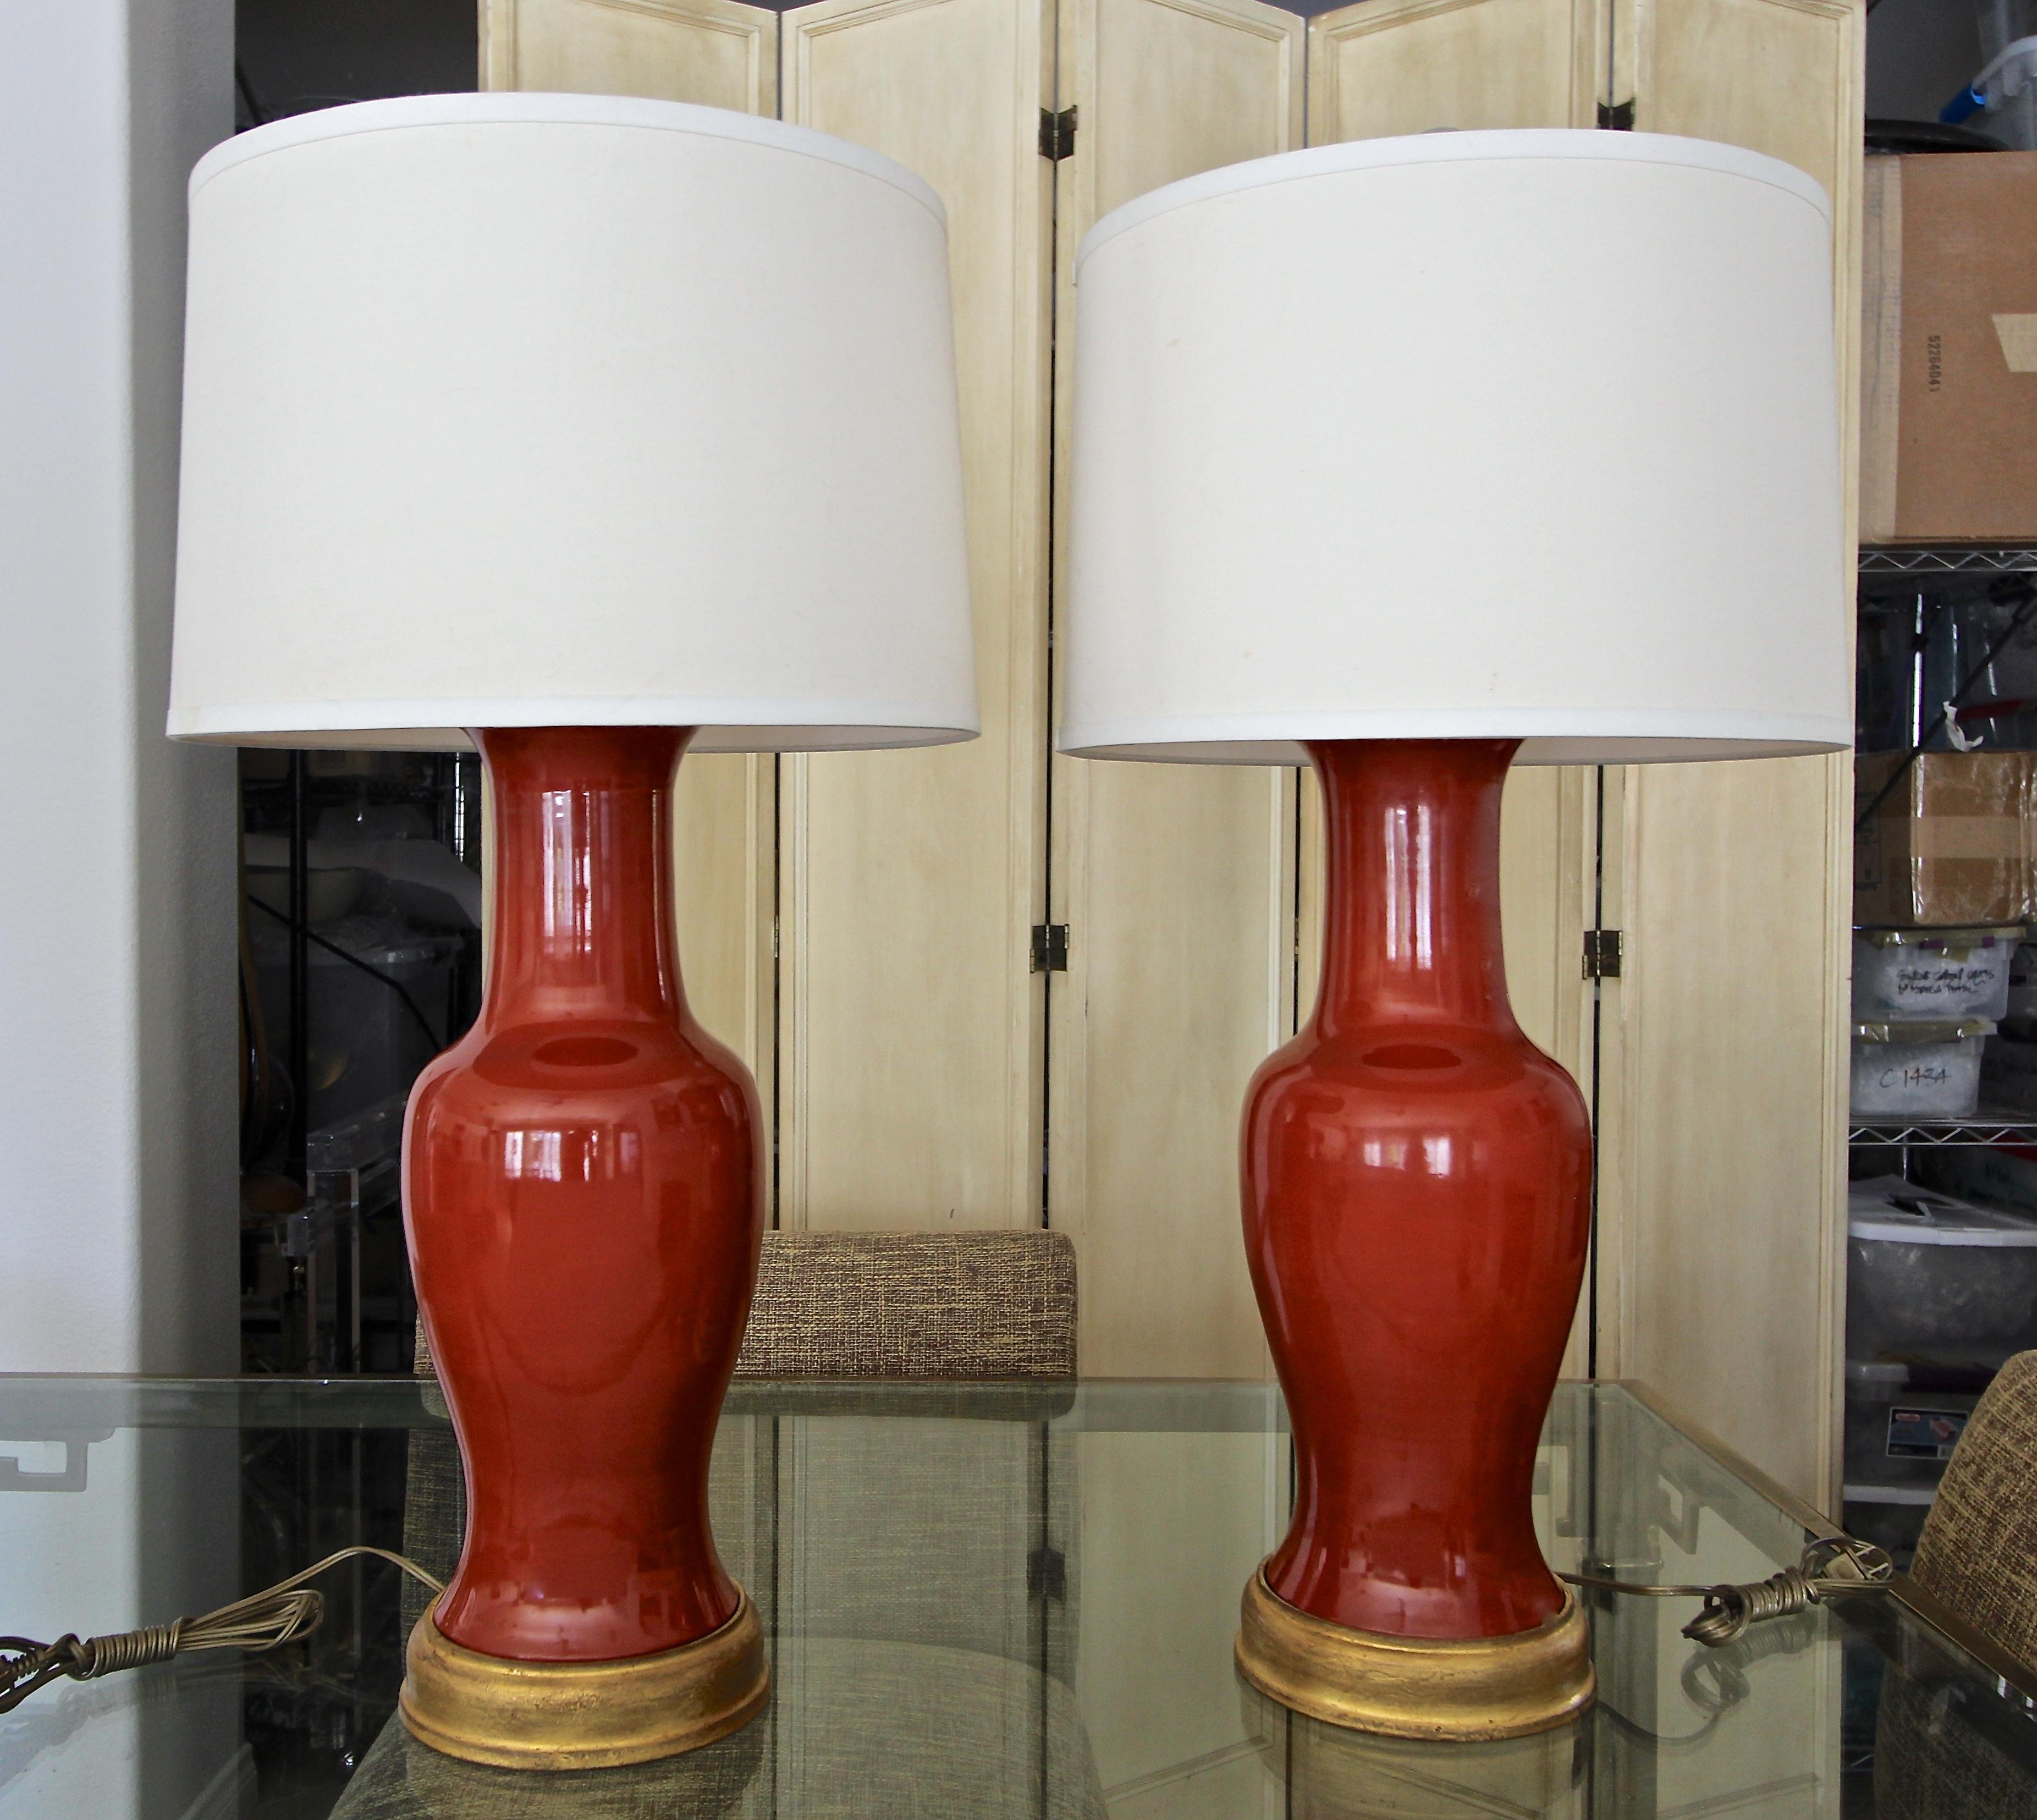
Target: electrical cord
column 1714, row 1682
column 1832, row 1566
column 261, row 1622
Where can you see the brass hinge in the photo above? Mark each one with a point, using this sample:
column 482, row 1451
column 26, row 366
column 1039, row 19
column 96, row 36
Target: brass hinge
column 1050, row 948
column 1616, row 118
column 1047, row 1574
column 1058, row 133
column 1602, row 954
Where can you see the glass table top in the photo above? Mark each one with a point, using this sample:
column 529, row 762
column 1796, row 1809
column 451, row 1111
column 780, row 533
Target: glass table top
column 980, row 1600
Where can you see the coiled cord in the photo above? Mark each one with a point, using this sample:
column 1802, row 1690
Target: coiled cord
column 261, row 1622
column 1832, row 1566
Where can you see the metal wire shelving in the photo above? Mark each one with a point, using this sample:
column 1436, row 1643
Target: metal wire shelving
column 1986, row 1129
column 1946, row 559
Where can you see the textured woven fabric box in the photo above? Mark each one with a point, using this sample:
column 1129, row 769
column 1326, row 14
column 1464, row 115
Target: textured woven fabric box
column 1948, row 348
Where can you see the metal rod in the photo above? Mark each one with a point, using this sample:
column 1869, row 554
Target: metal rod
column 300, row 917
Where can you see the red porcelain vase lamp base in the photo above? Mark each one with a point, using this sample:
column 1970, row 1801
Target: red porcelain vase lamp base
column 583, row 1199
column 1417, row 1186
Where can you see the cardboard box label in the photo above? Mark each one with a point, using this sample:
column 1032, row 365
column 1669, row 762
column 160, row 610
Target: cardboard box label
column 2018, row 336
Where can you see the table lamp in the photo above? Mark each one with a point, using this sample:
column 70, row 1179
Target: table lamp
column 606, row 429
column 1420, row 457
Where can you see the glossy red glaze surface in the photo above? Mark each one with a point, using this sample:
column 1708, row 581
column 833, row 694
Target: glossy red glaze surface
column 583, row 1195
column 1416, row 1182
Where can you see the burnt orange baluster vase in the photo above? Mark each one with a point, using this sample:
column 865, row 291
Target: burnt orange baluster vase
column 1416, row 1183
column 584, row 1193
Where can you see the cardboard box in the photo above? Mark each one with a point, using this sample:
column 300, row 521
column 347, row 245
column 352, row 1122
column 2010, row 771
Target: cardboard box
column 1950, row 846
column 1948, row 348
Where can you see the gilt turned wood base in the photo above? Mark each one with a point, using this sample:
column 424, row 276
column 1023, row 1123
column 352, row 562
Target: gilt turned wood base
column 584, row 1715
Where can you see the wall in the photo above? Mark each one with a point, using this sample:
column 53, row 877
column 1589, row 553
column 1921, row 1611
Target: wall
column 117, row 1203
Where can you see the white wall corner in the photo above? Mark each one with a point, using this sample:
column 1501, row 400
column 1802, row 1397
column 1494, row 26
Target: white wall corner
column 118, row 1218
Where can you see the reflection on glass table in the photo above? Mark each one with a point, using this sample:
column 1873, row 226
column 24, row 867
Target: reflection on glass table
column 981, row 1600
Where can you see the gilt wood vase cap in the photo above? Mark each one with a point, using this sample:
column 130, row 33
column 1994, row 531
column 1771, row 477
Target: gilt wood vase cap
column 539, row 410
column 1489, row 435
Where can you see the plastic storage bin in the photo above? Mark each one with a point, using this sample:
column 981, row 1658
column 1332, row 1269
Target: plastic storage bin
column 2009, row 1074
column 1896, row 1435
column 2019, row 1017
column 2003, row 1175
column 1935, row 1280
column 1909, row 975
column 1918, row 1070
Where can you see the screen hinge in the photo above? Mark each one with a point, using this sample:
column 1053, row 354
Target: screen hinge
column 1050, row 948
column 1602, row 954
column 1047, row 1574
column 1058, row 133
column 1616, row 117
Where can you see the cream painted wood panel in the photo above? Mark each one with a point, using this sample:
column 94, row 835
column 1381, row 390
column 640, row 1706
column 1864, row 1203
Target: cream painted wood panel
column 1177, row 881
column 1388, row 66
column 725, row 864
column 1783, row 77
column 1737, row 877
column 1548, row 859
column 910, row 1077
column 720, row 54
column 717, row 53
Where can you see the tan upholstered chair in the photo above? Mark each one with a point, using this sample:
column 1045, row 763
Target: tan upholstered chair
column 913, row 1305
column 1935, row 1758
column 907, row 1305
column 1979, row 1552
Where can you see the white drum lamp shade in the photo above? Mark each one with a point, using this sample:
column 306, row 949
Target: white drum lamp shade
column 1525, row 435
column 508, row 410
